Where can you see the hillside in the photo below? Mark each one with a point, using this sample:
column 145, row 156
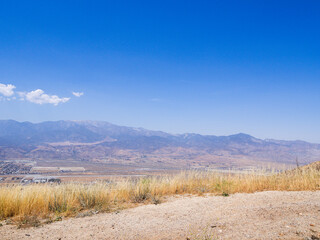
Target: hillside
column 104, row 142
column 264, row 215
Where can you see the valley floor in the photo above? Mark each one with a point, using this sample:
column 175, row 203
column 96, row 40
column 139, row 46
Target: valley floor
column 264, row 215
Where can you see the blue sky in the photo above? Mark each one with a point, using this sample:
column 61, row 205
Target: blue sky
column 210, row 67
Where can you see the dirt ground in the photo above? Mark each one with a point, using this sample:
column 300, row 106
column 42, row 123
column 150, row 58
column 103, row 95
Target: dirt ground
column 264, row 215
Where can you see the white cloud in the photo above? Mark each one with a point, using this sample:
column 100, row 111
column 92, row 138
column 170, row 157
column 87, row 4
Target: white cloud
column 21, row 95
column 156, row 100
column 77, row 94
column 39, row 97
column 7, row 90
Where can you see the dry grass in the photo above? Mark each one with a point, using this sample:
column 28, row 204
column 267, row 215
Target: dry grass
column 21, row 203
column 206, row 233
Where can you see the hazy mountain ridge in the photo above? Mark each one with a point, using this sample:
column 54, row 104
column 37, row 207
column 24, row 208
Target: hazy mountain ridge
column 103, row 141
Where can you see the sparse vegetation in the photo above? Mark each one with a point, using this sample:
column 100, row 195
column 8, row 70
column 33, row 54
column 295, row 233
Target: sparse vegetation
column 201, row 234
column 27, row 204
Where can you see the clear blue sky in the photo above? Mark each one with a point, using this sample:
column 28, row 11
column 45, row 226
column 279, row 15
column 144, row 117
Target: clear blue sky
column 210, row 67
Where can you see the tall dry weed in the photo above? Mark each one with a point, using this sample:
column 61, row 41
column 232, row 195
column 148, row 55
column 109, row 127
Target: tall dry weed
column 69, row 199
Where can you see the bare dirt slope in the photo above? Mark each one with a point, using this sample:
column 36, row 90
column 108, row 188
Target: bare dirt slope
column 264, row 215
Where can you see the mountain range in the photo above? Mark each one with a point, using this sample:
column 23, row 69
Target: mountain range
column 103, row 142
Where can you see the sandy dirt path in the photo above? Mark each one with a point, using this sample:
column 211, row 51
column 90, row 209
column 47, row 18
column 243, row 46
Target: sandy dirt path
column 264, row 215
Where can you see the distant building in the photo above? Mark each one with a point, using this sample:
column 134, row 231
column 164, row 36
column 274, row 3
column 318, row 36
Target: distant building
column 16, row 178
column 26, row 181
column 46, row 180
column 41, row 180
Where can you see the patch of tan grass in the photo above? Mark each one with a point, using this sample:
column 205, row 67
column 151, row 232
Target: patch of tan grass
column 49, row 201
column 206, row 233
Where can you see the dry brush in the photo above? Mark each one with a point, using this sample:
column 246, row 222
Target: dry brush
column 51, row 201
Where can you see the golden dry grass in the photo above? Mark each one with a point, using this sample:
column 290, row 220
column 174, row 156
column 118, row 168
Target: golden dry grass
column 47, row 201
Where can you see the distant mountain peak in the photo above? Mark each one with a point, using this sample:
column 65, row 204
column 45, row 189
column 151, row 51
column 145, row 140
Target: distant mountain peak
column 103, row 140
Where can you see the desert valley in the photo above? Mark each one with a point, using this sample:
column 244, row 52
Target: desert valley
column 83, row 178
column 159, row 120
column 91, row 150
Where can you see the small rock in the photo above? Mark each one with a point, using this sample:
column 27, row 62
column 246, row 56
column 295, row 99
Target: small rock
column 312, row 225
column 313, row 237
column 8, row 221
column 213, row 226
column 28, row 235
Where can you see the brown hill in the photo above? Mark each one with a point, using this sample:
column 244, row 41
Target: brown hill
column 102, row 142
